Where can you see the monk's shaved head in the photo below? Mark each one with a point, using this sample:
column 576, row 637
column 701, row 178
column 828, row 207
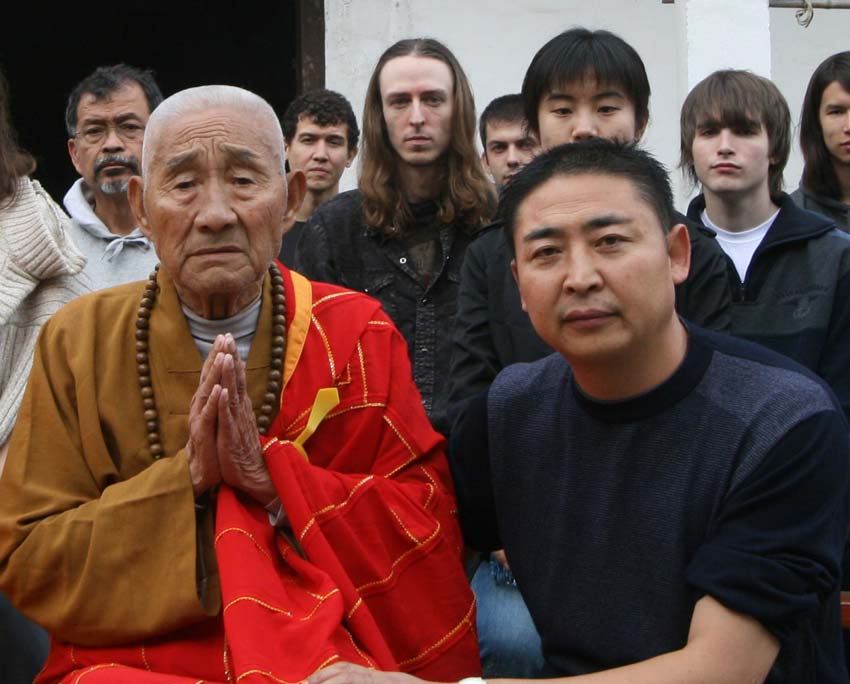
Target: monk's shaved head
column 210, row 97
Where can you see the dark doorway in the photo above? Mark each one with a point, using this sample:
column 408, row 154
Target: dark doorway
column 47, row 48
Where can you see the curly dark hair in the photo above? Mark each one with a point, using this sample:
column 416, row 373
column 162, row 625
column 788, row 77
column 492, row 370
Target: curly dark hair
column 326, row 108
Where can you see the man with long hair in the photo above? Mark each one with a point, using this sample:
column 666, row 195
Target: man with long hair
column 422, row 193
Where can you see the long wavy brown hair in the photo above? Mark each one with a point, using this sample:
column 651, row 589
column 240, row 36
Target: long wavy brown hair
column 467, row 194
column 14, row 162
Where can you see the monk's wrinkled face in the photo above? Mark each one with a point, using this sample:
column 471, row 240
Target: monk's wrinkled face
column 215, row 205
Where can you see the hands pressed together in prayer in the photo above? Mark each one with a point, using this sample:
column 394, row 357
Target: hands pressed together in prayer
column 224, row 444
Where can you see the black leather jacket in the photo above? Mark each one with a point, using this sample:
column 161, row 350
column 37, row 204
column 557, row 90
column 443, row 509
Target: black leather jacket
column 337, row 247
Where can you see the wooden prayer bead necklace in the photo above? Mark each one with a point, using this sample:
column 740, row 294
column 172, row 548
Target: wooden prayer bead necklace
column 270, row 397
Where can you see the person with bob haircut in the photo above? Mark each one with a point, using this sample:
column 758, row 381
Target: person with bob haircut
column 825, row 142
column 422, row 193
column 581, row 84
column 665, row 521
column 788, row 268
column 592, row 84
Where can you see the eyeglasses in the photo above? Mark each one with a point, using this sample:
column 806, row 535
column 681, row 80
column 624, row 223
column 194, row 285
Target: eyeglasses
column 128, row 131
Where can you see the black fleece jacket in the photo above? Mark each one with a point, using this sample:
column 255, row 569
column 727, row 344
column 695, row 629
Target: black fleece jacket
column 795, row 297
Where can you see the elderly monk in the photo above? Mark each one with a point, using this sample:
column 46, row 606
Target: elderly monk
column 225, row 473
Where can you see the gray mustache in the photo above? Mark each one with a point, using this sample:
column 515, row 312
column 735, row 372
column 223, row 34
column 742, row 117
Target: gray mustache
column 116, row 159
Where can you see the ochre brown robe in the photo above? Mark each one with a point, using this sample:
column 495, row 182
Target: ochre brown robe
column 100, row 544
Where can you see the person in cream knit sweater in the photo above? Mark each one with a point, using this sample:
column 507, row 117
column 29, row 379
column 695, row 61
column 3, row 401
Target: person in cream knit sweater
column 40, row 270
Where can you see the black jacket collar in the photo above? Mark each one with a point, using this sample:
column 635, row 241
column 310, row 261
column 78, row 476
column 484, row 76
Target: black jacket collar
column 793, row 223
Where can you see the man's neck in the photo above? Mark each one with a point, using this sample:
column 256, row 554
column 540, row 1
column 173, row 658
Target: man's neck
column 637, row 372
column 739, row 211
column 842, row 171
column 219, row 304
column 114, row 211
column 420, row 183
column 313, row 200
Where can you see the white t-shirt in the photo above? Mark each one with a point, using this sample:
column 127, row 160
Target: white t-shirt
column 742, row 244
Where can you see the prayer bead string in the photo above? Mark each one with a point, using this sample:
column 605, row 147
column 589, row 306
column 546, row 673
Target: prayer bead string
column 272, row 393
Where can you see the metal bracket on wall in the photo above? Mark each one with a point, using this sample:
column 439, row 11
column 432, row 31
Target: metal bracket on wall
column 797, row 4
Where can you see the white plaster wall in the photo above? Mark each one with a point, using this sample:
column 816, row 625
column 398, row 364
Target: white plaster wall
column 725, row 34
column 796, row 53
column 495, row 40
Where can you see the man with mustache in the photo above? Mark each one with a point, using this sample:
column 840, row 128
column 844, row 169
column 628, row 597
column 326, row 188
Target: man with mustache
column 105, row 118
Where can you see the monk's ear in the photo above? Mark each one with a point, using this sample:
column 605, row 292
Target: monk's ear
column 135, row 198
column 297, row 188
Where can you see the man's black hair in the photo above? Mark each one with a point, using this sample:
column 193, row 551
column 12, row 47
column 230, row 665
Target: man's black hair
column 596, row 156
column 326, row 108
column 104, row 81
column 504, row 109
column 579, row 54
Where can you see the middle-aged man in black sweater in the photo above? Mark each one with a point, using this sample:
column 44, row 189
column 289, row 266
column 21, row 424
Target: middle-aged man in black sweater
column 582, row 84
column 672, row 501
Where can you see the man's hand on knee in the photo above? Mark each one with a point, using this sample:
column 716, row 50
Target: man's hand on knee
column 349, row 673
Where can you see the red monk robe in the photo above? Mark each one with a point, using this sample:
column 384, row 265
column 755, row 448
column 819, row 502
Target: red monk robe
column 373, row 575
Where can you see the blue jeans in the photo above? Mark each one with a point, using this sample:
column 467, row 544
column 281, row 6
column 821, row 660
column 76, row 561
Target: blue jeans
column 507, row 639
